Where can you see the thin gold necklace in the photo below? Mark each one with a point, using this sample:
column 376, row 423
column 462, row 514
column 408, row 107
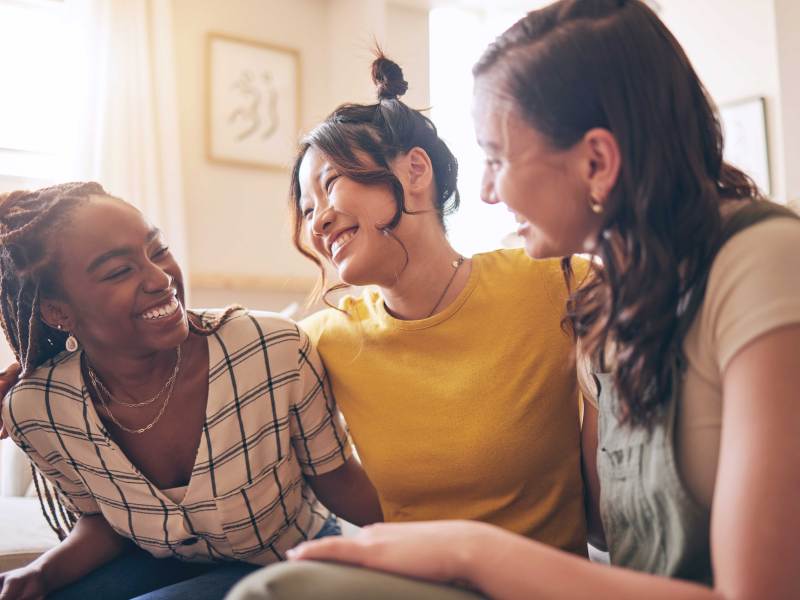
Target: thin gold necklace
column 98, row 384
column 100, row 393
column 455, row 264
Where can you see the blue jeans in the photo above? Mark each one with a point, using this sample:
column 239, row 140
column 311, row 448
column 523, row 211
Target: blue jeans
column 137, row 574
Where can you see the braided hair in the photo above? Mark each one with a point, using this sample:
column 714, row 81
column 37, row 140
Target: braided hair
column 29, row 221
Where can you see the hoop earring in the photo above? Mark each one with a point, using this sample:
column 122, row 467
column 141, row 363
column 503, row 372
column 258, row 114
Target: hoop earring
column 595, row 205
column 71, row 344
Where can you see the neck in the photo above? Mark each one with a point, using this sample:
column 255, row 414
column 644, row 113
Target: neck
column 131, row 376
column 428, row 275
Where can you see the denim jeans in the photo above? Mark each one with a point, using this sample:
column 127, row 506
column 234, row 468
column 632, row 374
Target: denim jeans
column 137, row 574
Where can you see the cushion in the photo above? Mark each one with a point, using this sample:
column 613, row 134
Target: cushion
column 24, row 532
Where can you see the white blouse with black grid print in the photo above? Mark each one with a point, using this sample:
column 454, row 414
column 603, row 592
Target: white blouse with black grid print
column 270, row 419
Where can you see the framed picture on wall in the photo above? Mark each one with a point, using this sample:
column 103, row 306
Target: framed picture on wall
column 252, row 102
column 744, row 127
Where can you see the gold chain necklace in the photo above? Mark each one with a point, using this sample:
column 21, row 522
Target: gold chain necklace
column 98, row 384
column 100, row 393
column 455, row 264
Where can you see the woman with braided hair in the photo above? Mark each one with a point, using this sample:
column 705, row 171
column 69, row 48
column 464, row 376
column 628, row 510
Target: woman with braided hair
column 174, row 451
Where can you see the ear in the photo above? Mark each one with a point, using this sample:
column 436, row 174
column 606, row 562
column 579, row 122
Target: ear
column 602, row 162
column 415, row 170
column 55, row 313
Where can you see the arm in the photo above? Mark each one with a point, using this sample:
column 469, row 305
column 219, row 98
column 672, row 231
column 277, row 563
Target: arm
column 591, row 481
column 754, row 530
column 348, row 492
column 89, row 545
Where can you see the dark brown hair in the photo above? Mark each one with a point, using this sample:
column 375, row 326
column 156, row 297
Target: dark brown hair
column 360, row 140
column 582, row 64
column 29, row 221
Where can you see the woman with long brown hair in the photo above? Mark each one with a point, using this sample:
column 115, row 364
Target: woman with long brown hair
column 600, row 138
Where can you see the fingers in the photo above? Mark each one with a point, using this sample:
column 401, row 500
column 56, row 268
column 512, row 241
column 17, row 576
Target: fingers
column 12, row 371
column 8, row 378
column 346, row 550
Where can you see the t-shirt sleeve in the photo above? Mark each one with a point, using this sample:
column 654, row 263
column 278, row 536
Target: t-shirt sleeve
column 313, row 326
column 318, row 431
column 62, row 476
column 753, row 287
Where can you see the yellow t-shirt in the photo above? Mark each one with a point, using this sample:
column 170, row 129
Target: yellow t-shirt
column 471, row 413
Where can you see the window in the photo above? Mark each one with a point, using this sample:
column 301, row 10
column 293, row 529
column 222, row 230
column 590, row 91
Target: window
column 36, row 100
column 476, row 227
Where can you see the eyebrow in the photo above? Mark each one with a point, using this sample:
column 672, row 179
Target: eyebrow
column 488, row 144
column 121, row 251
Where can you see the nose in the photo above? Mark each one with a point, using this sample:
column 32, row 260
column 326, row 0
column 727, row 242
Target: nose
column 156, row 279
column 323, row 220
column 488, row 194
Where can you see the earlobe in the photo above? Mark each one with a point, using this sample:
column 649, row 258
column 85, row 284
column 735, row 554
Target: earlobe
column 604, row 162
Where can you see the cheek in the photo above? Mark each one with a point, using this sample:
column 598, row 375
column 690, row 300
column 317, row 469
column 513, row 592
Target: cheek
column 315, row 241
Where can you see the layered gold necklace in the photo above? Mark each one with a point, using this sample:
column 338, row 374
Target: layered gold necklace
column 106, row 397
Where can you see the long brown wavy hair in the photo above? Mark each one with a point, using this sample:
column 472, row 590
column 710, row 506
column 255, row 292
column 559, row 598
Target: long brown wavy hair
column 361, row 140
column 582, row 64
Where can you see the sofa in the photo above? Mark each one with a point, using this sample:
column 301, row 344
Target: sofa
column 24, row 533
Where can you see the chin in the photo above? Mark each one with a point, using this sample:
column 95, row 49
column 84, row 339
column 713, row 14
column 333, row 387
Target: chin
column 354, row 274
column 537, row 248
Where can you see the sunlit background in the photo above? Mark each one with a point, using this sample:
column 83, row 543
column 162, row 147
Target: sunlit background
column 115, row 91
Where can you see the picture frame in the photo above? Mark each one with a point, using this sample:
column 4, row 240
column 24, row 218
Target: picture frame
column 252, row 102
column 744, row 129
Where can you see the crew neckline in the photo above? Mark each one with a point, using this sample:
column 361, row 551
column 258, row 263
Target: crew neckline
column 439, row 317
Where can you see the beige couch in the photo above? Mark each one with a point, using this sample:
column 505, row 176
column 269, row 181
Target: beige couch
column 24, row 533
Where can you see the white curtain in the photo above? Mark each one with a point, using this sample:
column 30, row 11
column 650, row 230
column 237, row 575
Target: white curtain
column 126, row 134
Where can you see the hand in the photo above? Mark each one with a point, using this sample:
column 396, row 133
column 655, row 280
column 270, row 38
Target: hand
column 26, row 583
column 441, row 551
column 8, row 379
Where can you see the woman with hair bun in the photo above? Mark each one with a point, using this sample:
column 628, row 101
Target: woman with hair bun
column 455, row 374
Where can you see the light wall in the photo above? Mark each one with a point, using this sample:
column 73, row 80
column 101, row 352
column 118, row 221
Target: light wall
column 238, row 229
column 733, row 47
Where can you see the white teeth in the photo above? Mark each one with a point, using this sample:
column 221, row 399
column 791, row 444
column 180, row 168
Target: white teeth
column 342, row 240
column 159, row 312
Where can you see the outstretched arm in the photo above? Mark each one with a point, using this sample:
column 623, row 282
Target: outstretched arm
column 348, row 492
column 754, row 530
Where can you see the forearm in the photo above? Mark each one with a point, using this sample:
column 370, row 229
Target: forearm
column 89, row 545
column 505, row 566
column 348, row 492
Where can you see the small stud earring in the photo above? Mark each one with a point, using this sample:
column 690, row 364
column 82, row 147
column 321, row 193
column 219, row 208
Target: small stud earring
column 595, row 205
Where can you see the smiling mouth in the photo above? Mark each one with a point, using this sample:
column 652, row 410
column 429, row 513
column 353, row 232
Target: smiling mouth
column 161, row 312
column 342, row 240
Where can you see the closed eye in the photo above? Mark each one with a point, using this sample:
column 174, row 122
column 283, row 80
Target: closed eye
column 307, row 212
column 161, row 252
column 118, row 274
column 329, row 183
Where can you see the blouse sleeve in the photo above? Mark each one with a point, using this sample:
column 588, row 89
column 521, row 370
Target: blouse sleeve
column 318, row 431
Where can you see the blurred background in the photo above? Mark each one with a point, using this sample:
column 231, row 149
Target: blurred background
column 121, row 91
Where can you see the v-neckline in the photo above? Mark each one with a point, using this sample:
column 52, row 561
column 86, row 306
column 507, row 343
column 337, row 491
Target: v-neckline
column 213, row 351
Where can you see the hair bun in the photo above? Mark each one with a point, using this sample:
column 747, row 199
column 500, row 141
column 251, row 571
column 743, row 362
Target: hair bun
column 388, row 78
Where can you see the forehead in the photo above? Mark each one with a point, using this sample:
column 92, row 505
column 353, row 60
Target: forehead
column 99, row 225
column 493, row 114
